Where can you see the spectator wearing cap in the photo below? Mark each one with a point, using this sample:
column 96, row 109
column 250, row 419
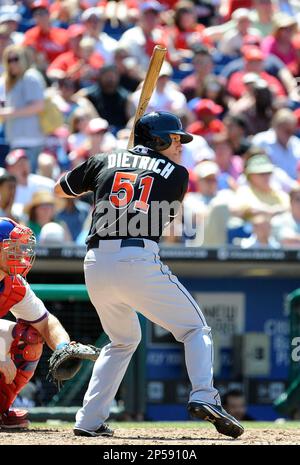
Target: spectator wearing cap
column 280, row 180
column 286, row 227
column 10, row 17
column 109, row 99
column 41, row 211
column 94, row 20
column 141, row 39
column 23, row 90
column 280, row 42
column 8, row 185
column 17, row 164
column 44, row 38
column 77, row 63
column 232, row 41
column 97, row 139
column 258, row 196
column 271, row 65
column 192, row 85
column 280, row 142
column 257, row 106
column 166, row 95
column 100, row 138
column 207, row 122
column 253, row 63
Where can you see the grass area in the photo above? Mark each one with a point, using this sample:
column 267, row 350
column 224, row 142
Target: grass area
column 177, row 425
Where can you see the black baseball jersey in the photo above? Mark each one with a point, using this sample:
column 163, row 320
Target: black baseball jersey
column 136, row 192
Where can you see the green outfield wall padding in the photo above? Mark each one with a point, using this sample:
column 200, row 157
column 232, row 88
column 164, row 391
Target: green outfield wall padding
column 289, row 401
column 61, row 292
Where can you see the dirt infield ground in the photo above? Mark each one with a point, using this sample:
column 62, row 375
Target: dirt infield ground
column 189, row 433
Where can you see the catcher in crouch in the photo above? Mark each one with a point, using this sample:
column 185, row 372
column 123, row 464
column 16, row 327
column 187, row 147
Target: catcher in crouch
column 21, row 343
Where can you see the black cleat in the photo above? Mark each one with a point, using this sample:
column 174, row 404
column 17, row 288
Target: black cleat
column 104, row 430
column 223, row 422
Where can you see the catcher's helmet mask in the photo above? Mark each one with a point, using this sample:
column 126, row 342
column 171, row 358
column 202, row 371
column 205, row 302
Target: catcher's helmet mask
column 17, row 247
column 153, row 130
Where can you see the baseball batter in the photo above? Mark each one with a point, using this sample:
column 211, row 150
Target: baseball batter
column 136, row 193
column 21, row 343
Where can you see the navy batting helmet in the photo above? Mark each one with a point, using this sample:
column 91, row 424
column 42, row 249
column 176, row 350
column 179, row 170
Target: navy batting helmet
column 153, row 130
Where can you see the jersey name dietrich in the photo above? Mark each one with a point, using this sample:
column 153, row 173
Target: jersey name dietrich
column 128, row 160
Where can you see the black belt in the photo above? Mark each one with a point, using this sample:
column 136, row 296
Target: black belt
column 94, row 243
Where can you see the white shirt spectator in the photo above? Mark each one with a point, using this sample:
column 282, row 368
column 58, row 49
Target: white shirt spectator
column 286, row 158
column 24, row 193
column 285, row 226
column 232, row 41
column 105, row 46
column 134, row 41
column 171, row 99
column 196, row 151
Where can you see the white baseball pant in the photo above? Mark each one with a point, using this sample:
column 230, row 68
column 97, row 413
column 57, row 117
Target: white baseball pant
column 121, row 282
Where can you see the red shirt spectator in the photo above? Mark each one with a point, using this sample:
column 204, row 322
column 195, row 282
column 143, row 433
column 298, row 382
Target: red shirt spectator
column 51, row 41
column 73, row 63
column 207, row 123
column 186, row 30
column 253, row 57
column 183, row 39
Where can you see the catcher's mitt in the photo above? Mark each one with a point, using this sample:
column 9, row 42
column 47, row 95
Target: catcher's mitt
column 66, row 362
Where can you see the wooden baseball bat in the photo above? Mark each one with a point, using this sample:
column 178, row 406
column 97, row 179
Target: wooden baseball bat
column 150, row 81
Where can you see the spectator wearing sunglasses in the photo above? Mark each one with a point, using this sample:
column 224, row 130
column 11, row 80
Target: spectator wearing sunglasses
column 22, row 89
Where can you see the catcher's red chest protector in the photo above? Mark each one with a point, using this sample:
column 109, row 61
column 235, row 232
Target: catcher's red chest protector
column 13, row 292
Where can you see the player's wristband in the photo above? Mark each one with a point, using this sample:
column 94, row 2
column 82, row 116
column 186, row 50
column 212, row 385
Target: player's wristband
column 61, row 345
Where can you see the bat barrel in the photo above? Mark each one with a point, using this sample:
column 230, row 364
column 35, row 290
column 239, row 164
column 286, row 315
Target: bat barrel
column 155, row 64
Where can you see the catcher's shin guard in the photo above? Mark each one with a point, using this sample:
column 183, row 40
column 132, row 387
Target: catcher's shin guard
column 26, row 350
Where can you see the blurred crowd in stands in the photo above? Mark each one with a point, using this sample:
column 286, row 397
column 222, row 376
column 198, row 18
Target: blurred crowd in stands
column 70, row 78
